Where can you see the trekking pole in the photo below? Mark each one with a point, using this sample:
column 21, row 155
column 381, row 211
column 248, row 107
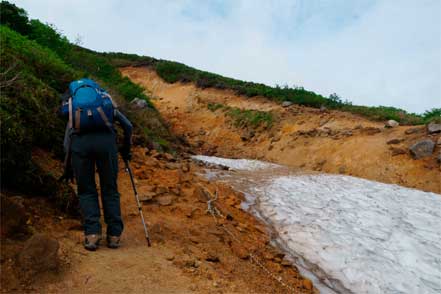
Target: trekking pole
column 137, row 202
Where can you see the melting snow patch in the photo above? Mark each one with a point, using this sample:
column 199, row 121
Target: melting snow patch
column 358, row 236
column 235, row 164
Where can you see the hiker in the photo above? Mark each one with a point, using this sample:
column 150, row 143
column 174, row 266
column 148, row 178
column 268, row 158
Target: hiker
column 91, row 139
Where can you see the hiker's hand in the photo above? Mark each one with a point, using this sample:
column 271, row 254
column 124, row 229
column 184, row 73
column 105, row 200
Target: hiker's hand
column 125, row 152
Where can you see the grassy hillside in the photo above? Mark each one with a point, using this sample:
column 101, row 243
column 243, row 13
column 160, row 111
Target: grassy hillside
column 37, row 64
column 173, row 72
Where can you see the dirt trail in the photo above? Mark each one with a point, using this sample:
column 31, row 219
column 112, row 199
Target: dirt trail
column 301, row 137
column 190, row 253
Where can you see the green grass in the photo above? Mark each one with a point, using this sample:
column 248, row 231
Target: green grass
column 215, row 106
column 245, row 118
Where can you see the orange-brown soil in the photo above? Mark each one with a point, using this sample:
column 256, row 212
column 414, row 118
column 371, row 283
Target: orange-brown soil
column 301, row 137
column 190, row 252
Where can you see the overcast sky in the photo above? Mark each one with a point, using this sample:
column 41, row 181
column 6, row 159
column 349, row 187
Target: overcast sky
column 371, row 52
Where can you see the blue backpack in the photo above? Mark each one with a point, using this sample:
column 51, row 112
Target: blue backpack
column 89, row 107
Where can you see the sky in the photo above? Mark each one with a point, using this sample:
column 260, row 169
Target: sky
column 370, row 52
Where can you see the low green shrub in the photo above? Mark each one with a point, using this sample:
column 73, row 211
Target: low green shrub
column 247, row 118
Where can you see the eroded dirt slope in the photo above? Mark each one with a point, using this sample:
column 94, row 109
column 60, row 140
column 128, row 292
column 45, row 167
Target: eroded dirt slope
column 300, row 137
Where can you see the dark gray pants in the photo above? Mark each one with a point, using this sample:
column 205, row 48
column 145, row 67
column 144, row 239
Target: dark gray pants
column 100, row 149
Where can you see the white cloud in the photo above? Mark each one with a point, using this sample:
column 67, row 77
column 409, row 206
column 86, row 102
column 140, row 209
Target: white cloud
column 371, row 52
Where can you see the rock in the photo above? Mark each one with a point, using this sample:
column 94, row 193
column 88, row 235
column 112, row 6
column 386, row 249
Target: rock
column 394, row 141
column 212, row 257
column 370, row 130
column 239, row 251
column 286, row 103
column 323, row 108
column 439, row 141
column 161, row 190
column 40, row 254
column 172, row 165
column 319, row 165
column 145, row 191
column 307, row 284
column 248, row 136
column 165, row 200
column 433, row 128
column 147, row 197
column 342, row 169
column 139, row 103
column 276, row 138
column 285, row 262
column 391, row 124
column 439, row 157
column 422, row 148
column 412, row 131
column 13, row 216
column 347, row 133
column 397, row 151
column 168, row 156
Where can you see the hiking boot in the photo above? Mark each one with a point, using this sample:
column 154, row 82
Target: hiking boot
column 113, row 241
column 91, row 242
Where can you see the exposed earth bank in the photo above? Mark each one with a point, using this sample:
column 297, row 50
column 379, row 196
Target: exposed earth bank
column 300, row 137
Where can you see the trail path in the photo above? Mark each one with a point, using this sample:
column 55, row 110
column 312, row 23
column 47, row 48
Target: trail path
column 189, row 253
column 133, row 268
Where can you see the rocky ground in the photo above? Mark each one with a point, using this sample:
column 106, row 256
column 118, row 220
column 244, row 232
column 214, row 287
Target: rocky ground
column 191, row 252
column 300, row 137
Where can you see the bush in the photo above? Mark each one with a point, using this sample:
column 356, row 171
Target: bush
column 31, row 80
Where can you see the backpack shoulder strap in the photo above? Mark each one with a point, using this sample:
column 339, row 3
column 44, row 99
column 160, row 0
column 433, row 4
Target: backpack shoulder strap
column 70, row 124
column 104, row 93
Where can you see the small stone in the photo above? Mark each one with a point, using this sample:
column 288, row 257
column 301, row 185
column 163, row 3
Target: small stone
column 161, row 190
column 371, row 130
column 342, row 169
column 40, row 254
column 433, row 128
column 212, row 257
column 165, row 200
column 172, row 165
column 286, row 103
column 397, row 150
column 422, row 148
column 139, row 103
column 391, row 124
column 307, row 284
column 239, row 251
column 394, row 141
column 147, row 197
column 170, row 257
column 412, row 131
column 285, row 262
column 194, row 239
column 168, row 156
